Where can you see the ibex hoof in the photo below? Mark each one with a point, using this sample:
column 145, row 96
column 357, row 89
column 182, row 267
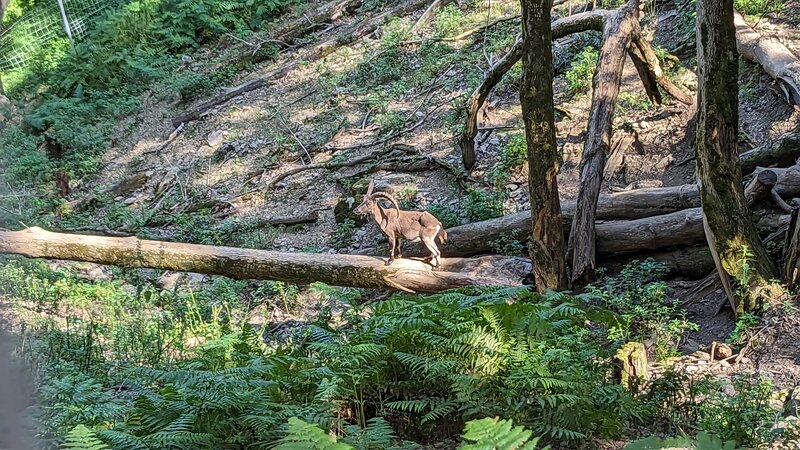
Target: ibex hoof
column 389, row 262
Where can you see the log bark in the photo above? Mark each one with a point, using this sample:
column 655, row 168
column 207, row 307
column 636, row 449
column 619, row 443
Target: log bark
column 546, row 246
column 760, row 186
column 339, row 270
column 577, row 23
column 649, row 68
column 732, row 237
column 619, row 31
column 783, row 152
column 791, row 250
column 777, row 60
column 319, row 51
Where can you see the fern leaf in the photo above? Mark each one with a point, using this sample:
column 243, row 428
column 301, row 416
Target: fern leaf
column 82, row 438
column 496, row 434
column 304, row 436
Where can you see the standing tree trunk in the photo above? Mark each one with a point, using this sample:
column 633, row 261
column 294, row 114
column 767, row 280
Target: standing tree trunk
column 737, row 250
column 546, row 246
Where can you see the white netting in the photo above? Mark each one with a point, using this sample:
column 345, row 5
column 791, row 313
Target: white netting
column 42, row 24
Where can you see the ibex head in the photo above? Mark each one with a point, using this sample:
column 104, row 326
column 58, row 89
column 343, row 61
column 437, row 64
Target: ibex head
column 366, row 206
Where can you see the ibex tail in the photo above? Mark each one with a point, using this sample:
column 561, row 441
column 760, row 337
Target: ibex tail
column 442, row 235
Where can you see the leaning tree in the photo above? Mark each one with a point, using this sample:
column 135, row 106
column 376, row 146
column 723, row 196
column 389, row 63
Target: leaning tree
column 732, row 237
column 546, row 246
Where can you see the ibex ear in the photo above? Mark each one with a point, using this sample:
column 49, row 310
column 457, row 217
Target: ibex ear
column 371, row 187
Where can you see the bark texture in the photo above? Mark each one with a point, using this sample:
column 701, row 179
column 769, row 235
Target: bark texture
column 732, row 237
column 239, row 263
column 546, row 246
column 619, row 31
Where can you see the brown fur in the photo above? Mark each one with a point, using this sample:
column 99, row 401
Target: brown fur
column 398, row 225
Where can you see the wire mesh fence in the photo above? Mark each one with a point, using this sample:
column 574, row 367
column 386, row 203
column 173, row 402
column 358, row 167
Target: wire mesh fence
column 43, row 24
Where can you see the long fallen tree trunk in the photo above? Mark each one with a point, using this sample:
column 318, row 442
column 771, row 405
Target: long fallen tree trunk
column 475, row 238
column 338, row 270
column 777, row 60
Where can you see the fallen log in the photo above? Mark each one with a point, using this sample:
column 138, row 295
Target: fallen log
column 783, row 152
column 307, row 217
column 319, row 51
column 619, row 31
column 777, row 60
column 338, row 270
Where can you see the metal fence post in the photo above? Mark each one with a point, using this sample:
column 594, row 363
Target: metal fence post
column 66, row 23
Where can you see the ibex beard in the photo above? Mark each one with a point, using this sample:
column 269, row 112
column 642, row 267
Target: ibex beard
column 397, row 225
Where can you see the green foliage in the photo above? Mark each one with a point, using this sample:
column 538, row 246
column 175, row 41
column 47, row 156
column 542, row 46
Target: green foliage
column 758, row 7
column 482, row 205
column 746, row 417
column 303, row 435
column 446, row 214
column 634, row 102
column 508, row 244
column 579, row 76
column 744, row 323
column 82, row 438
column 86, row 93
column 491, row 434
column 643, row 306
column 343, row 236
column 513, row 156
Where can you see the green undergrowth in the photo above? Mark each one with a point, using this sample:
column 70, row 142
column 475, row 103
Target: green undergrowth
column 83, row 96
column 129, row 364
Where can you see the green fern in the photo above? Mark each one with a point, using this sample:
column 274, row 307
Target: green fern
column 82, row 438
column 304, row 436
column 496, row 434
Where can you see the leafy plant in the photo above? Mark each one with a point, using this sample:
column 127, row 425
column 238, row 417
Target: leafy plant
column 704, row 441
column 579, row 76
column 446, row 214
column 643, row 306
column 490, row 434
column 512, row 157
column 482, row 205
column 343, row 236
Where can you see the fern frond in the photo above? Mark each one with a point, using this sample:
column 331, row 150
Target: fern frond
column 82, row 438
column 495, row 434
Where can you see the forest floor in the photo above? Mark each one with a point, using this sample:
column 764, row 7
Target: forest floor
column 331, row 110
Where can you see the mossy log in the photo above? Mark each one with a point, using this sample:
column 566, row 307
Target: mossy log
column 633, row 366
column 339, row 270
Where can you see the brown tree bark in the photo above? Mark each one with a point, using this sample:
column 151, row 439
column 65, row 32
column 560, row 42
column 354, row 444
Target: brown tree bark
column 732, row 237
column 339, row 270
column 619, row 31
column 546, row 246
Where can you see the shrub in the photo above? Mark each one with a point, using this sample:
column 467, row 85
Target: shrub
column 579, row 77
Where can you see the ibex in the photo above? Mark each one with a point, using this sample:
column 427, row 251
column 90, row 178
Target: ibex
column 412, row 226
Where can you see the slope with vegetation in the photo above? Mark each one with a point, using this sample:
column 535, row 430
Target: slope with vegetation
column 135, row 359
